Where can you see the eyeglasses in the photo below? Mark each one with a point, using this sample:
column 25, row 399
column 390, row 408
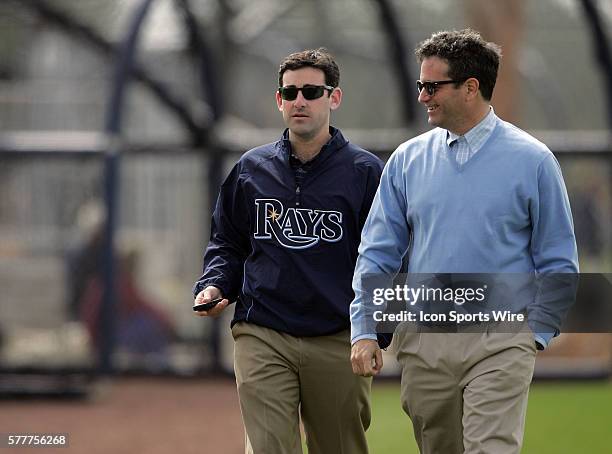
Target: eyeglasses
column 309, row 92
column 431, row 86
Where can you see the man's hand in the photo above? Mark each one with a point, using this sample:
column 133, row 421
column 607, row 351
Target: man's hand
column 366, row 358
column 207, row 295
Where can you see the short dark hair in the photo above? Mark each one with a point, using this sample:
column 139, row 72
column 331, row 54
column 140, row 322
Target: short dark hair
column 315, row 58
column 468, row 55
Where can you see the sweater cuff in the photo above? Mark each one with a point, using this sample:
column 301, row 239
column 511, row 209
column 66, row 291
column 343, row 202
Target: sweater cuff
column 542, row 340
column 363, row 336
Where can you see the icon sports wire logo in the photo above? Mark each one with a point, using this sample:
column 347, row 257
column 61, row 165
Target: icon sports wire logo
column 296, row 228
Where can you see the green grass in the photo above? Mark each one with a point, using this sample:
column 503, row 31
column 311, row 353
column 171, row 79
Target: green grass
column 391, row 429
column 569, row 418
column 561, row 418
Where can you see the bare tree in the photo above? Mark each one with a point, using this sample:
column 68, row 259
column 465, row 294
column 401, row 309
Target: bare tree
column 501, row 21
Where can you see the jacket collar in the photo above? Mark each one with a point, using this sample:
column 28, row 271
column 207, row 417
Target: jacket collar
column 335, row 143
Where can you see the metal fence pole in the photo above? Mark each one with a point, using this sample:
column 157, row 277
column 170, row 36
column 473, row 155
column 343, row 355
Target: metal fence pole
column 123, row 67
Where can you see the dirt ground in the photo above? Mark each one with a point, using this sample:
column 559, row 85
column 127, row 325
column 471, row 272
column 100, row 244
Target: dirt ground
column 136, row 415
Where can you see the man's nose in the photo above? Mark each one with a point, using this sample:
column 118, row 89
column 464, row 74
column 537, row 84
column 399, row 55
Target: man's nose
column 424, row 96
column 299, row 100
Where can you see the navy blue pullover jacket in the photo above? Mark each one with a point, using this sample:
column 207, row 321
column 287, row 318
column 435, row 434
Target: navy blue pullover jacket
column 284, row 237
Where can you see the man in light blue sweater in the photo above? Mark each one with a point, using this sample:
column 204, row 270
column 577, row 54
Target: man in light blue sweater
column 474, row 195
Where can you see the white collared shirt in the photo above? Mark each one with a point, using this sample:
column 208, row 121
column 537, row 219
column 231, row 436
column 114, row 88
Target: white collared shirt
column 467, row 145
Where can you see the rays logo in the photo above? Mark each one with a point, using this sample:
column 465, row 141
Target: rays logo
column 296, row 228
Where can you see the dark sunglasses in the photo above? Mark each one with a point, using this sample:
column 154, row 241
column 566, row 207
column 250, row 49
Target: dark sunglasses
column 431, row 86
column 309, row 92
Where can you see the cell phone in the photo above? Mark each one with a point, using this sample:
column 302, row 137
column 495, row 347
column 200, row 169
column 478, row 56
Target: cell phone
column 207, row 306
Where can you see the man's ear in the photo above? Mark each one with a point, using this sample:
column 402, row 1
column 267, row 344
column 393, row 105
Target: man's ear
column 335, row 98
column 279, row 101
column 472, row 85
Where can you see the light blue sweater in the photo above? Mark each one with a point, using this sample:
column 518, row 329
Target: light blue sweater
column 504, row 211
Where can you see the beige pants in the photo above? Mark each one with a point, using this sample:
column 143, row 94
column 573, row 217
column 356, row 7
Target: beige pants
column 466, row 392
column 280, row 377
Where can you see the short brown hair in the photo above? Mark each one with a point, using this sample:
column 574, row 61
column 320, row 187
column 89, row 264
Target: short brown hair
column 315, row 58
column 468, row 55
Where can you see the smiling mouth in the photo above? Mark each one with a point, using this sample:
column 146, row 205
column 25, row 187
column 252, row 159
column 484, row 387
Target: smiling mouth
column 431, row 108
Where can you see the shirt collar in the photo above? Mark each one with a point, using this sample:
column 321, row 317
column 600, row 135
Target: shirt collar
column 478, row 135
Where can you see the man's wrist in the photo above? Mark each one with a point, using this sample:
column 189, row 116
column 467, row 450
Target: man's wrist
column 363, row 336
column 199, row 286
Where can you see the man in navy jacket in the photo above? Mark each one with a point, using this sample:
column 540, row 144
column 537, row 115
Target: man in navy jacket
column 283, row 246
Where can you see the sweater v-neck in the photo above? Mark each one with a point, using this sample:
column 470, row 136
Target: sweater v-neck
column 461, row 168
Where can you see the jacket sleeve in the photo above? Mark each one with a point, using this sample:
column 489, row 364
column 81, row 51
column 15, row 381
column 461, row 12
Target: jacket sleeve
column 229, row 244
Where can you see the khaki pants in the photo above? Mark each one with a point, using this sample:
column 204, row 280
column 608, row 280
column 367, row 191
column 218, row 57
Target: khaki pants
column 466, row 392
column 280, row 377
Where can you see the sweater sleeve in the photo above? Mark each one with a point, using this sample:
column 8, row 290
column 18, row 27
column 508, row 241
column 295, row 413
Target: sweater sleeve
column 553, row 249
column 384, row 241
column 229, row 245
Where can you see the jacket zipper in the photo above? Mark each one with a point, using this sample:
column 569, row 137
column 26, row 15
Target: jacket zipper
column 300, row 174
